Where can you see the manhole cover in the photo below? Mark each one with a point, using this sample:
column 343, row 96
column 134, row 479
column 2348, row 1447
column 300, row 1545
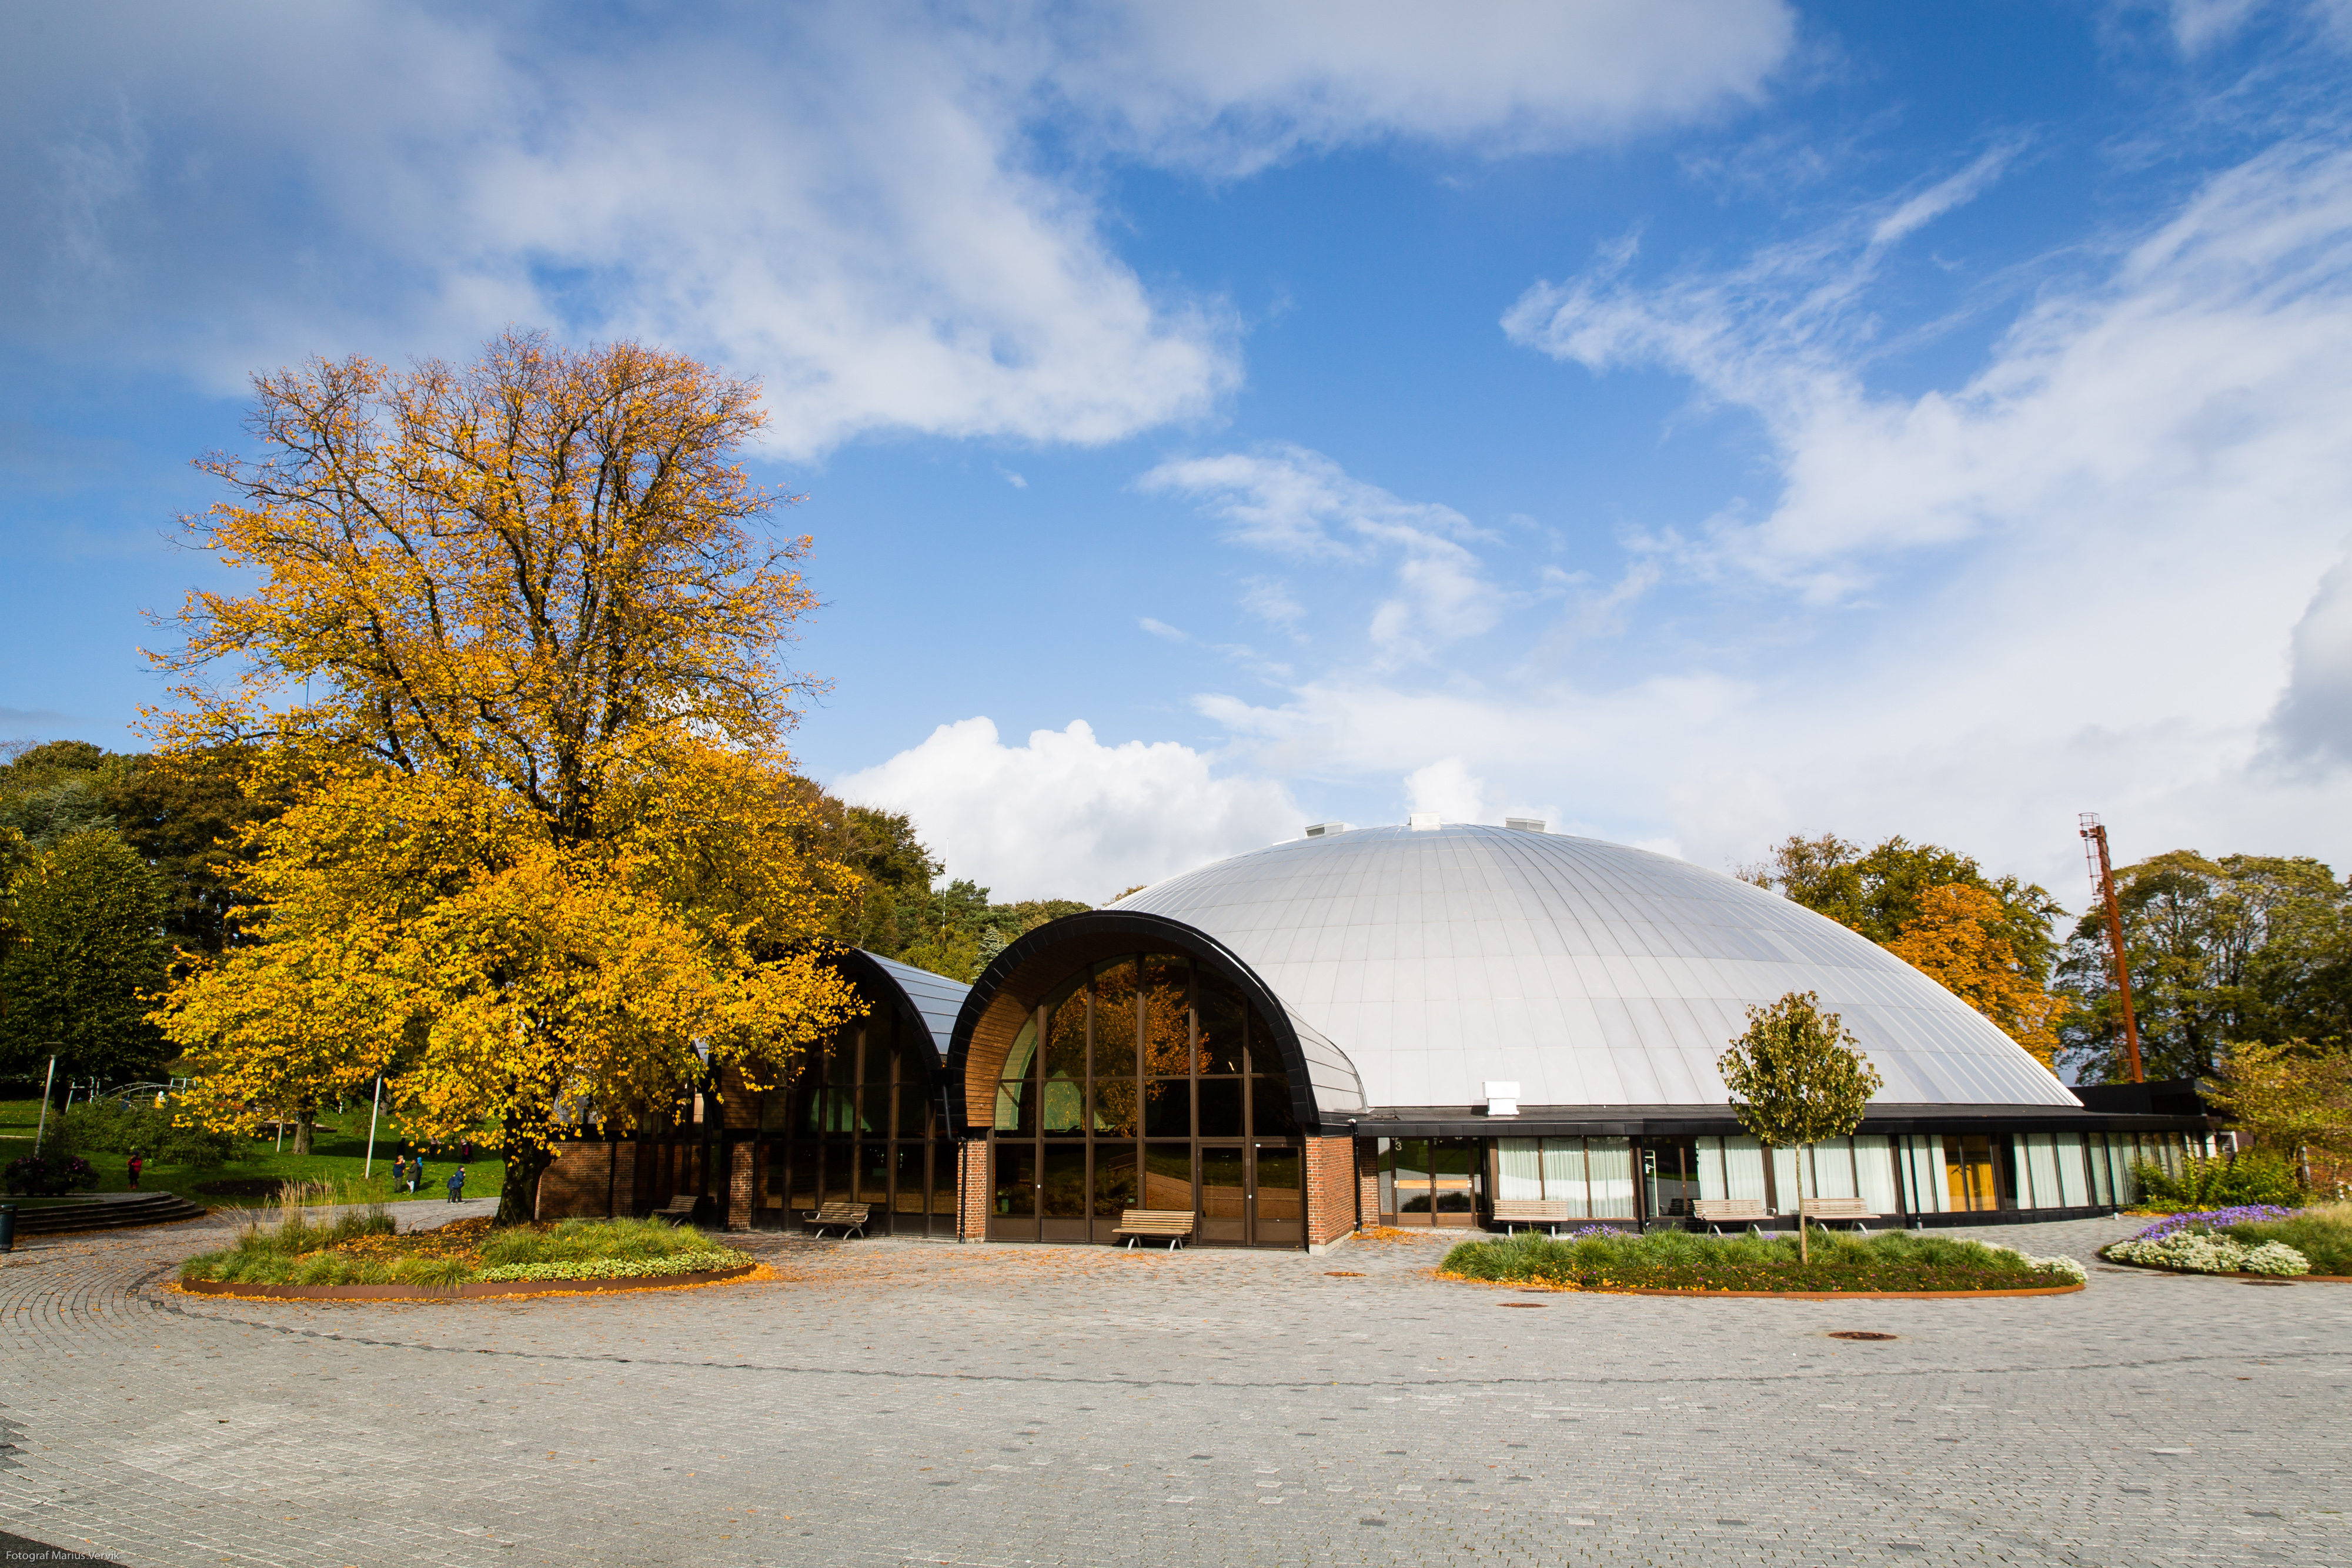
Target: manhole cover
column 1859, row 1333
column 1537, row 1305
column 1342, row 1274
column 2284, row 1283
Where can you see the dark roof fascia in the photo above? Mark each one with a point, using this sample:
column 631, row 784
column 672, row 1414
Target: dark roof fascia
column 1177, row 937
column 1688, row 1120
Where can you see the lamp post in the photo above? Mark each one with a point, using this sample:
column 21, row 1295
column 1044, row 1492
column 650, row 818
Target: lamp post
column 374, row 1111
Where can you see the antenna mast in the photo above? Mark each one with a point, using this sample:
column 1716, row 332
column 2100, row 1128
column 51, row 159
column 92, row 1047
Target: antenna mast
column 2102, row 877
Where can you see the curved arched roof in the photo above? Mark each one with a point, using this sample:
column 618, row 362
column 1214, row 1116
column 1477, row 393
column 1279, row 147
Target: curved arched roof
column 1590, row 973
column 931, row 999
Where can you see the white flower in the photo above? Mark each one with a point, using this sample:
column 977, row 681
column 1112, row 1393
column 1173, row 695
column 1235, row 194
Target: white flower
column 2200, row 1253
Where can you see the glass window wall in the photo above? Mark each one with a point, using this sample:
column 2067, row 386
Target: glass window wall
column 860, row 1122
column 1141, row 1083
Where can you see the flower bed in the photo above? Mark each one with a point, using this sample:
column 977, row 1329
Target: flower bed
column 1893, row 1262
column 2259, row 1239
column 360, row 1248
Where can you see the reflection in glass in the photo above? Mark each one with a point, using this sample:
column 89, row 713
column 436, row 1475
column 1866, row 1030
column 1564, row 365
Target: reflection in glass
column 1023, row 1056
column 880, row 1041
column 1017, row 1181
column 1064, row 1196
column 1454, row 1176
column 835, row 1176
column 947, row 1158
column 1167, row 1017
column 874, row 1108
column 1168, row 1108
column 1115, row 1107
column 1115, row 1182
column 1220, row 1108
column 1115, row 1020
column 1270, row 1113
column 874, row 1175
column 913, row 1110
column 909, row 1198
column 1281, row 1195
column 1168, row 1175
column 1016, row 1107
column 1066, row 1038
column 1063, row 1109
column 800, row 1183
column 1412, row 1177
column 1221, row 1012
column 1221, row 1184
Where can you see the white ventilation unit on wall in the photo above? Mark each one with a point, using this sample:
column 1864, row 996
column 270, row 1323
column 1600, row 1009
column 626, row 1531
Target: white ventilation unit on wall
column 1525, row 824
column 1422, row 822
column 1325, row 830
column 1502, row 1099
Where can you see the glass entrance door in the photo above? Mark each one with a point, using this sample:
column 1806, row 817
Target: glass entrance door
column 1277, row 1195
column 1969, row 1172
column 1013, row 1202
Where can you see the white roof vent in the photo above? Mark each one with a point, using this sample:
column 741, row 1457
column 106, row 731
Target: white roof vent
column 1525, row 824
column 1422, row 822
column 1325, row 830
column 1502, row 1099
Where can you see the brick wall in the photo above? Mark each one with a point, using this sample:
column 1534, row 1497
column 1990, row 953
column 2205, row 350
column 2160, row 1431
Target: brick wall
column 973, row 1191
column 1331, row 1188
column 1368, row 1179
column 578, row 1183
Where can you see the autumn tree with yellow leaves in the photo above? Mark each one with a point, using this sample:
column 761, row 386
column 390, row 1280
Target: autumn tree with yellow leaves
column 1959, row 936
column 514, row 652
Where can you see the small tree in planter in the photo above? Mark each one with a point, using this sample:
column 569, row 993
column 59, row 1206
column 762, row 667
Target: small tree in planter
column 1798, row 1077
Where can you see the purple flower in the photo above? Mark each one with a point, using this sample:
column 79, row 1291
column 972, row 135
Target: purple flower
column 2215, row 1219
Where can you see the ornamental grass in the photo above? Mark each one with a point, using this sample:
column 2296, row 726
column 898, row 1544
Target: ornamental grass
column 1682, row 1261
column 2322, row 1234
column 2249, row 1240
column 361, row 1247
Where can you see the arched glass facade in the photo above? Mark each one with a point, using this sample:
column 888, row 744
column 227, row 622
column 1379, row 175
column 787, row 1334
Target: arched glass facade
column 1139, row 1082
column 863, row 1122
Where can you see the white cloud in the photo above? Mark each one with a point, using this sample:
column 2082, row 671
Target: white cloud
column 2087, row 577
column 1447, row 787
column 850, row 201
column 1068, row 817
column 1292, row 502
column 1232, row 85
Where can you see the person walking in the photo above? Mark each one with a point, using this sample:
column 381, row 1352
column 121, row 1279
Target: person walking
column 137, row 1165
column 458, row 1185
column 416, row 1171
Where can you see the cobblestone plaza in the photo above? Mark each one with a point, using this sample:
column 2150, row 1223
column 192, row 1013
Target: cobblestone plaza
column 917, row 1402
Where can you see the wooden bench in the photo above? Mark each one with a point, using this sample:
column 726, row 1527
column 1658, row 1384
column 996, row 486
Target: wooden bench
column 1175, row 1224
column 681, row 1208
column 1714, row 1213
column 1849, row 1210
column 1550, row 1214
column 850, row 1217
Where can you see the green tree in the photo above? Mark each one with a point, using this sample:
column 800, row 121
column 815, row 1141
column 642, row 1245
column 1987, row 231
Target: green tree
column 88, row 960
column 2242, row 947
column 1797, row 1077
column 1877, row 891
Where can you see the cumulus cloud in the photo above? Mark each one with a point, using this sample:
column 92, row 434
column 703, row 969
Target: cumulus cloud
column 1068, row 817
column 1447, row 787
column 853, row 201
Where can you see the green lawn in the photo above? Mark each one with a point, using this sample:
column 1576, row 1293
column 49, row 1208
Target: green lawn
column 340, row 1153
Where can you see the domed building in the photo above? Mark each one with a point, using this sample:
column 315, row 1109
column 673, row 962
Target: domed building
column 1409, row 1025
column 1429, row 1025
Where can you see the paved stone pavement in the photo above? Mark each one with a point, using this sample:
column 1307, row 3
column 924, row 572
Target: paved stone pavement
column 903, row 1402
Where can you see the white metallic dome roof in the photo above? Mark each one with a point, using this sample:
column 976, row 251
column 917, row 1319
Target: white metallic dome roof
column 1590, row 973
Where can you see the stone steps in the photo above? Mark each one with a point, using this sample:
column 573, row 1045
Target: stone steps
column 111, row 1211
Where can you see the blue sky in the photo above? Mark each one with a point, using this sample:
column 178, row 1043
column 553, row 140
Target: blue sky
column 1692, row 423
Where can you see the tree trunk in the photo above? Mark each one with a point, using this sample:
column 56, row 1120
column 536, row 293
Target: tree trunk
column 519, row 1201
column 1804, row 1243
column 304, row 1113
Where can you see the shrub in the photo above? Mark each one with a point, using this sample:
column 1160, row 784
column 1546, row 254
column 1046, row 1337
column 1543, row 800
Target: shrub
column 2221, row 1182
column 2324, row 1234
column 51, row 1174
column 104, row 1126
column 1891, row 1260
